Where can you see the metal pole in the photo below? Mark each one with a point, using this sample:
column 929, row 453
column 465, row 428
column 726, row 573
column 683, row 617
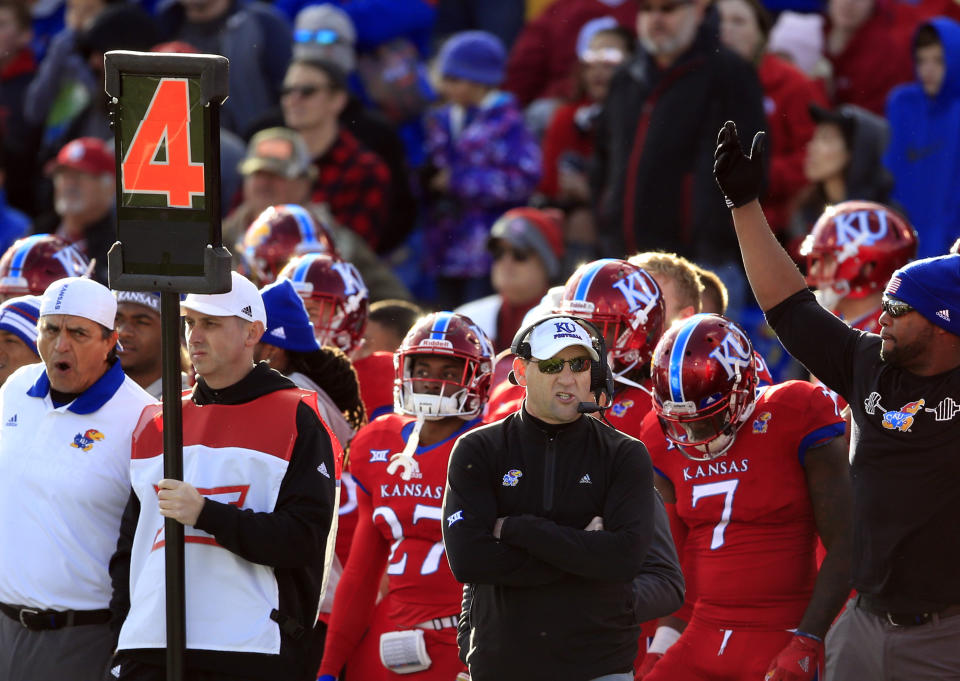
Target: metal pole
column 173, row 470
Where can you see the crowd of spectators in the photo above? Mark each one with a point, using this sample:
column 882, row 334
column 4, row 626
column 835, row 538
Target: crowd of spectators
column 413, row 126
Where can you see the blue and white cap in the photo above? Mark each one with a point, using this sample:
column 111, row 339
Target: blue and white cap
column 19, row 316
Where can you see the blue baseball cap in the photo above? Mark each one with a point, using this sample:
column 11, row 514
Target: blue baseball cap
column 288, row 324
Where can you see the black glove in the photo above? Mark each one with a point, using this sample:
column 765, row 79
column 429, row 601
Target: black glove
column 740, row 177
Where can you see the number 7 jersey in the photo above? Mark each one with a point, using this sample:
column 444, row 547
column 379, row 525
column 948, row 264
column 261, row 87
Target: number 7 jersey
column 750, row 548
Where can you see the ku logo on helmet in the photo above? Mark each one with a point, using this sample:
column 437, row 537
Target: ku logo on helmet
column 855, row 227
column 352, row 283
column 639, row 295
column 733, row 353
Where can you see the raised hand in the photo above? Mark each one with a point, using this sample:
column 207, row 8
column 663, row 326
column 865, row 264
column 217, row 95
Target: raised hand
column 740, row 177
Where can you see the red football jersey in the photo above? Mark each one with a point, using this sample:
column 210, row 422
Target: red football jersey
column 407, row 516
column 375, row 374
column 751, row 535
column 630, row 405
column 398, row 532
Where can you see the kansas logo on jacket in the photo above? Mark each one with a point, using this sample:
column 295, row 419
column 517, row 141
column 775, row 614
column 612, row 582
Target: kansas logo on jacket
column 85, row 441
column 511, row 478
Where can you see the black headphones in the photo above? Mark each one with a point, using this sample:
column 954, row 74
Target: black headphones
column 601, row 377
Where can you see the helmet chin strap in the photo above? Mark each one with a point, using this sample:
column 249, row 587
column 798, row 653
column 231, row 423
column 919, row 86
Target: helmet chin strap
column 620, row 377
column 830, row 297
column 633, row 384
column 405, row 458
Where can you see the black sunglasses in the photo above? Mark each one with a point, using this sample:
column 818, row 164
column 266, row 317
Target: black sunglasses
column 895, row 308
column 554, row 365
column 519, row 255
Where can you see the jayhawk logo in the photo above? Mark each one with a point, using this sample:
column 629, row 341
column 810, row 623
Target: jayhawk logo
column 620, row 408
column 760, row 423
column 85, row 441
column 511, row 478
column 903, row 419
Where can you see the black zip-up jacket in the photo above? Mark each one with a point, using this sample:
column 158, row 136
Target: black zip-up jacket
column 291, row 539
column 551, row 600
column 658, row 590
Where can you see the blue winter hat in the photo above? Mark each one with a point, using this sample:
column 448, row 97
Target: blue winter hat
column 931, row 287
column 476, row 56
column 288, row 324
column 19, row 316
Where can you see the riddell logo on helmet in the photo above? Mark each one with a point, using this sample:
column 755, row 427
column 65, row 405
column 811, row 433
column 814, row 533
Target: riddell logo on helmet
column 578, row 306
column 436, row 343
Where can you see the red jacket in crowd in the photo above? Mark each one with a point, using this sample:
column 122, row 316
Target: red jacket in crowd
column 787, row 94
column 877, row 58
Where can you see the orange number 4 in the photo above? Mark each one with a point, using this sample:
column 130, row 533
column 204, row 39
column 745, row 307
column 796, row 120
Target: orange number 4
column 167, row 122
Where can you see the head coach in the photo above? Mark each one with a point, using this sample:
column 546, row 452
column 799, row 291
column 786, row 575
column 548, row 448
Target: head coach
column 549, row 515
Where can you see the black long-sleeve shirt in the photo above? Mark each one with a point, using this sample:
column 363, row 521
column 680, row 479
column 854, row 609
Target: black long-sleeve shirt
column 905, row 461
column 551, row 600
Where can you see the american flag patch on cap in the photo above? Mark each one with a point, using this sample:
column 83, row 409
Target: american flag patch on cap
column 893, row 285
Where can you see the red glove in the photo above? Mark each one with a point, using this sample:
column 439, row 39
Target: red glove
column 799, row 661
column 646, row 666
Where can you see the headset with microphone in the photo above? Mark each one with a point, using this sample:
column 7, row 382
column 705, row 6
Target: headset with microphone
column 601, row 376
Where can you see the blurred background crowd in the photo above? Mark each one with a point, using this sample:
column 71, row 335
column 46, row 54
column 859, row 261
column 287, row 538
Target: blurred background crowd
column 476, row 151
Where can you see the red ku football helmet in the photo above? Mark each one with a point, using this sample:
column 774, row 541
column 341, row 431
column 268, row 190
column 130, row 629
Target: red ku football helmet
column 335, row 297
column 625, row 303
column 444, row 334
column 31, row 264
column 281, row 232
column 854, row 248
column 704, row 380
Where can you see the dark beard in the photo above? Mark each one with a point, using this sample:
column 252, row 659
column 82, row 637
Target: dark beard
column 906, row 356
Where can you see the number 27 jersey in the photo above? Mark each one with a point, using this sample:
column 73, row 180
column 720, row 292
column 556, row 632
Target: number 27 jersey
column 407, row 515
column 751, row 534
